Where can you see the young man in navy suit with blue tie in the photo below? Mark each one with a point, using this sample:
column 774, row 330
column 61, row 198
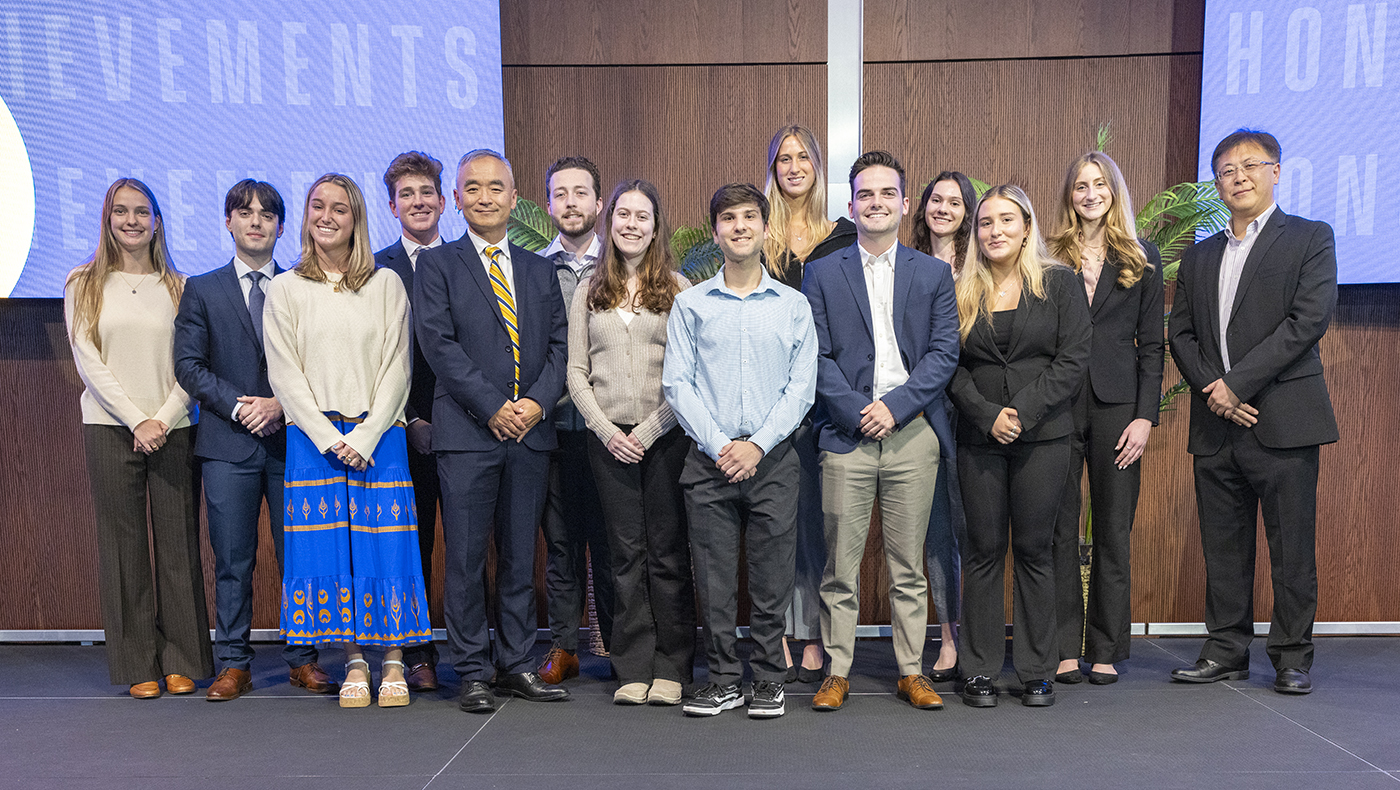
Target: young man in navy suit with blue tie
column 241, row 446
column 491, row 322
column 414, row 181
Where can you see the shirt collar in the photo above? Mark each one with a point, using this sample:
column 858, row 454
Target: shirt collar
column 410, row 246
column 886, row 257
column 241, row 268
column 589, row 256
column 766, row 283
column 1254, row 226
column 481, row 244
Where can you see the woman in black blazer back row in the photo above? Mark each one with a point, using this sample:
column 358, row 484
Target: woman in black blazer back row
column 1025, row 329
column 1113, row 413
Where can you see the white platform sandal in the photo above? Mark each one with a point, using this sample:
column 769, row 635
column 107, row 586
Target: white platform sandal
column 354, row 693
column 393, row 693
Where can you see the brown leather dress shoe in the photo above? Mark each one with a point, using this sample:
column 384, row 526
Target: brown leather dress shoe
column 832, row 694
column 148, row 690
column 231, row 684
column 421, row 676
column 314, row 679
column 918, row 690
column 559, row 665
column 179, row 684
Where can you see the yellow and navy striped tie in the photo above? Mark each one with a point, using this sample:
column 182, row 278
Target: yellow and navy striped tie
column 507, row 303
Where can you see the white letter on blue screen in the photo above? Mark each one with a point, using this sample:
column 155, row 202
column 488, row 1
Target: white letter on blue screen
column 1308, row 78
column 1239, row 52
column 177, row 209
column 239, row 64
column 292, row 63
column 70, row 212
column 344, row 61
column 53, row 30
column 1353, row 193
column 406, row 35
column 168, row 60
column 116, row 72
column 462, row 98
column 1370, row 48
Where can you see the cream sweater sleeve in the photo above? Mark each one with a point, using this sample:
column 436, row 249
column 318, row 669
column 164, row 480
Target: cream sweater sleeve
column 101, row 382
column 391, row 380
column 581, row 368
column 284, row 365
column 662, row 419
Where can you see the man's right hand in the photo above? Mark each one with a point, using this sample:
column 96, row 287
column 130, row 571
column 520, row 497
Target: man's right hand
column 506, row 423
column 420, row 436
column 261, row 416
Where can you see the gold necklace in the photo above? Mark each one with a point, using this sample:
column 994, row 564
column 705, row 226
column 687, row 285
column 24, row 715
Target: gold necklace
column 141, row 278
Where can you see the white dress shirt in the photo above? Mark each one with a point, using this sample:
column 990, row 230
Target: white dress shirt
column 1231, row 266
column 879, row 284
column 412, row 247
column 503, row 260
column 582, row 263
column 245, row 284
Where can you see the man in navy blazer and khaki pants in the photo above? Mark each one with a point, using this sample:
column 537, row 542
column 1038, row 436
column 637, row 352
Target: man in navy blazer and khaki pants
column 219, row 361
column 887, row 328
column 491, row 322
column 1251, row 304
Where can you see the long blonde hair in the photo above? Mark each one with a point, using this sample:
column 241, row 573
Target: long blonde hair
column 781, row 208
column 361, row 256
column 975, row 287
column 90, row 278
column 1120, row 228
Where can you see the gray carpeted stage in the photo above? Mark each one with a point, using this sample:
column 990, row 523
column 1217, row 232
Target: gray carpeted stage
column 63, row 726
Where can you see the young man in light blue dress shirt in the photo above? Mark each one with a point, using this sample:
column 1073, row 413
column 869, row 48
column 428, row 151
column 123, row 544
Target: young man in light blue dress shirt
column 740, row 373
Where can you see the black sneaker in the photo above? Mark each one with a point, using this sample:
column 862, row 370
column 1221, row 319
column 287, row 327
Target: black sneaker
column 714, row 699
column 767, row 700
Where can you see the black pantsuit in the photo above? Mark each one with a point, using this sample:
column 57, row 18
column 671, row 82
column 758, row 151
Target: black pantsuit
column 716, row 508
column 653, row 628
column 158, row 629
column 574, row 531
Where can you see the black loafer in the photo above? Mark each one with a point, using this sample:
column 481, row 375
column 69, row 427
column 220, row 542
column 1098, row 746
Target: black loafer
column 1038, row 694
column 1102, row 678
column 529, row 686
column 1207, row 671
column 943, row 675
column 1293, row 681
column 805, row 675
column 1071, row 677
column 979, row 692
column 791, row 676
column 476, row 697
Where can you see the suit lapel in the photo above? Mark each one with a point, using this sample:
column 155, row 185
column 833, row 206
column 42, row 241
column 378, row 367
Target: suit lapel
column 401, row 265
column 1267, row 236
column 903, row 281
column 1018, row 321
column 1108, row 284
column 1210, row 258
column 228, row 284
column 476, row 269
column 855, row 275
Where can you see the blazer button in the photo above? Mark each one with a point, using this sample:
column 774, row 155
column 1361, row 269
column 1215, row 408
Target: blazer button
column 867, row 389
column 870, row 357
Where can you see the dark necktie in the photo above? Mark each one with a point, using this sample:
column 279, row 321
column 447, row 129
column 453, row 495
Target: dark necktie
column 256, row 297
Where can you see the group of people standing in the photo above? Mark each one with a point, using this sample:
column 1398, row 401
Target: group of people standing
column 657, row 426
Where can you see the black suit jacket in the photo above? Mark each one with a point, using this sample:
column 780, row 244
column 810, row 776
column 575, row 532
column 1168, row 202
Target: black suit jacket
column 1042, row 370
column 463, row 337
column 423, row 382
column 1125, row 360
column 218, row 358
column 1285, row 299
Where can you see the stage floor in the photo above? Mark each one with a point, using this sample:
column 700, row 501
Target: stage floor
column 63, row 726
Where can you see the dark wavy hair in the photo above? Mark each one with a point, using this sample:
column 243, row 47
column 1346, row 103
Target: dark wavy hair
column 962, row 237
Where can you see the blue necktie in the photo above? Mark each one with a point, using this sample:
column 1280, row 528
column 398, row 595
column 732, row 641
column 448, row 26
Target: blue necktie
column 256, row 297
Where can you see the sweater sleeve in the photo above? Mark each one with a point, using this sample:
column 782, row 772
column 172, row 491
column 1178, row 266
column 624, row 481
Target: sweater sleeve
column 284, row 368
column 101, row 382
column 662, row 419
column 391, row 380
column 580, row 369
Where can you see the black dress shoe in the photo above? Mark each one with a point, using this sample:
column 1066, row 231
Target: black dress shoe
column 943, row 675
column 1071, row 677
column 476, row 697
column 1207, row 671
column 1038, row 694
column 528, row 685
column 979, row 692
column 1293, row 681
column 1102, row 678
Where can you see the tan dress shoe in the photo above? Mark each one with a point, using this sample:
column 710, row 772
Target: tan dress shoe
column 918, row 690
column 148, row 690
column 314, row 679
column 832, row 694
column 559, row 665
column 231, row 684
column 179, row 684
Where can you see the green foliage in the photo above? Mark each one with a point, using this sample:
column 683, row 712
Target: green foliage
column 1103, row 137
column 980, row 187
column 702, row 261
column 1175, row 390
column 1172, row 219
column 687, row 237
column 529, row 226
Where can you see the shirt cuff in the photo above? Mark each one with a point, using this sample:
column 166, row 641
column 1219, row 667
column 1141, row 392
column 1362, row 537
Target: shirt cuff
column 237, row 405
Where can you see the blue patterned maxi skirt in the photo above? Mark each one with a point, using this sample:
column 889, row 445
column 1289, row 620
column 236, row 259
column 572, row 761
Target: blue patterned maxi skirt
column 352, row 570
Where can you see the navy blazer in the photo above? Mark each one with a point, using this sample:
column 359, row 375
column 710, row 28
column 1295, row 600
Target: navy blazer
column 218, row 358
column 1125, row 361
column 926, row 330
column 423, row 382
column 463, row 336
column 1285, row 299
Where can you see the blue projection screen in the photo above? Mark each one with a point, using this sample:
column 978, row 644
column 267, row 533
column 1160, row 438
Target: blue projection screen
column 1313, row 73
column 192, row 97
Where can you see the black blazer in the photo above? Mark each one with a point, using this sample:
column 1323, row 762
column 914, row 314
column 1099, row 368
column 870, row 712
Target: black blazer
column 463, row 337
column 1042, row 370
column 423, row 382
column 1125, row 360
column 218, row 358
column 1285, row 299
column 841, row 236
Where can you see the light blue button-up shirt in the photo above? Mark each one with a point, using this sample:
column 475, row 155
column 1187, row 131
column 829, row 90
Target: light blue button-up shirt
column 740, row 366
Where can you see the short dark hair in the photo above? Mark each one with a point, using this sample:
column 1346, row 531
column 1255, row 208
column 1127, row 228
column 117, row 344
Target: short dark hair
column 731, row 195
column 876, row 159
column 1260, row 138
column 412, row 163
column 241, row 196
column 573, row 163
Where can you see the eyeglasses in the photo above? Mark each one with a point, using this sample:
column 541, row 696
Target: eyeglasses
column 1228, row 171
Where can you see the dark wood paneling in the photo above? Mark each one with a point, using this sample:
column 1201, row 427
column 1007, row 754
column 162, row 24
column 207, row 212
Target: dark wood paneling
column 617, row 32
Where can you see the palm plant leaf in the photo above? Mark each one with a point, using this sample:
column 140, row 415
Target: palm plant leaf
column 980, row 187
column 529, row 226
column 1172, row 393
column 702, row 261
column 1103, row 136
column 1172, row 219
column 685, row 238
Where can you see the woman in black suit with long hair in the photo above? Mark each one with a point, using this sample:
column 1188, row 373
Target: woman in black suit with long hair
column 1113, row 413
column 1025, row 331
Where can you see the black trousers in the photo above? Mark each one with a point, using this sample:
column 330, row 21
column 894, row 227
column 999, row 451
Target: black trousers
column 1231, row 487
column 499, row 492
column 156, row 623
column 1017, row 484
column 574, row 531
column 716, row 509
column 653, row 628
column 1105, row 630
column 427, row 491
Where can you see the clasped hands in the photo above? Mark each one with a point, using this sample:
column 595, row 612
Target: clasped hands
column 1223, row 402
column 738, row 460
column 261, row 416
column 1007, row 426
column 515, row 419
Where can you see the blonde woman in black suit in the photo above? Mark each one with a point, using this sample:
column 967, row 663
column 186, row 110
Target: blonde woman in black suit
column 1113, row 413
column 1024, row 324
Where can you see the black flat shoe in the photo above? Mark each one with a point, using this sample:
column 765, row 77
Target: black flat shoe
column 1103, row 678
column 944, row 675
column 1207, row 671
column 791, row 676
column 805, row 675
column 1038, row 694
column 979, row 692
column 1293, row 681
column 529, row 686
column 1071, row 677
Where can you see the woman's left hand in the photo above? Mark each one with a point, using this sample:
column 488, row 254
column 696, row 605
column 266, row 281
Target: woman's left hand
column 149, row 435
column 350, row 457
column 1132, row 442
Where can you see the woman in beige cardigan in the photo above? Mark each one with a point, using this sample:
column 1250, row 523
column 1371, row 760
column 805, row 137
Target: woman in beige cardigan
column 617, row 342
